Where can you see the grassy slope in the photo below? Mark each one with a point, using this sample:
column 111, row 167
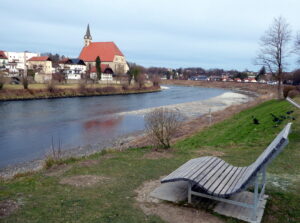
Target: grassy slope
column 44, row 199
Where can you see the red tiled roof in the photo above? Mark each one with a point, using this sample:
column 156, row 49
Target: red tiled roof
column 105, row 50
column 103, row 67
column 44, row 58
column 2, row 55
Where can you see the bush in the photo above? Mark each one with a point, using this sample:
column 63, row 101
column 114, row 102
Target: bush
column 141, row 80
column 125, row 87
column 287, row 89
column 82, row 88
column 1, row 82
column 25, row 82
column 109, row 89
column 293, row 93
column 161, row 125
column 55, row 156
column 51, row 87
column 155, row 80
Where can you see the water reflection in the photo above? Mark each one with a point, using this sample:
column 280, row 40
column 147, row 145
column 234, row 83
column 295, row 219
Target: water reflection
column 97, row 125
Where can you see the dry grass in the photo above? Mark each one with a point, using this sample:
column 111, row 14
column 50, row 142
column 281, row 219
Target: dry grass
column 7, row 207
column 83, row 180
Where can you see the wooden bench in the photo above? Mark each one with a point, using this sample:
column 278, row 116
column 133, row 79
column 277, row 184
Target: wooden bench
column 293, row 102
column 213, row 178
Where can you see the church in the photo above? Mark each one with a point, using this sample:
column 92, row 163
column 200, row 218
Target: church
column 110, row 55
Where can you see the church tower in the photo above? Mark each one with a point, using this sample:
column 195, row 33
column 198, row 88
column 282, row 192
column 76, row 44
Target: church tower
column 87, row 36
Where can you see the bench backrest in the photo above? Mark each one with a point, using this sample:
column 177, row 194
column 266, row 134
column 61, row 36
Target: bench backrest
column 269, row 154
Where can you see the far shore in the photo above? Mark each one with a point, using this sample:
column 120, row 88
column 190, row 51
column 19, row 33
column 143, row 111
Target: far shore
column 39, row 91
column 248, row 88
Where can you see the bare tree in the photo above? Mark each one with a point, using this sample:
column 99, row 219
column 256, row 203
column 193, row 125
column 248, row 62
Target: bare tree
column 274, row 49
column 161, row 125
column 155, row 80
column 141, row 80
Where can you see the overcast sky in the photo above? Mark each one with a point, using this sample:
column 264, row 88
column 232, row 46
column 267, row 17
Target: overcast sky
column 169, row 33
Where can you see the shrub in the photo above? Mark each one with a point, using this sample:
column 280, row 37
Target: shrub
column 59, row 77
column 1, row 82
column 141, row 80
column 55, row 156
column 161, row 125
column 155, row 80
column 25, row 82
column 125, row 87
column 293, row 93
column 287, row 89
column 51, row 87
column 82, row 88
column 109, row 89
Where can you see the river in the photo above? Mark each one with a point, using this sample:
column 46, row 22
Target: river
column 27, row 127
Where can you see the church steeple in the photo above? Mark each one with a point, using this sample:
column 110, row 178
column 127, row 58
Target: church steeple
column 87, row 36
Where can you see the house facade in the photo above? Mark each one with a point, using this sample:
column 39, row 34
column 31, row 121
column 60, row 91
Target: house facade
column 18, row 59
column 106, row 73
column 72, row 68
column 108, row 52
column 41, row 65
column 3, row 60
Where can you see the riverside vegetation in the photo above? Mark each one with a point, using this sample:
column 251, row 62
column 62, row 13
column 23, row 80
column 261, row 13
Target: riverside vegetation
column 51, row 90
column 44, row 196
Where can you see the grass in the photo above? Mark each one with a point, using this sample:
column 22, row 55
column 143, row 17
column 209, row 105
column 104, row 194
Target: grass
column 43, row 199
column 297, row 99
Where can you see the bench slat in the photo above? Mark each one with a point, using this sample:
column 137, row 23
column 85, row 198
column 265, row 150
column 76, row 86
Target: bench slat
column 220, row 179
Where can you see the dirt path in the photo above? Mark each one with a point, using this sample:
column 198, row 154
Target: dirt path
column 167, row 211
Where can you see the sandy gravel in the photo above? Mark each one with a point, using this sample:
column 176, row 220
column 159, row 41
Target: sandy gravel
column 198, row 108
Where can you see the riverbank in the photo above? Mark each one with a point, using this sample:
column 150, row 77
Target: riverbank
column 13, row 93
column 105, row 187
column 260, row 89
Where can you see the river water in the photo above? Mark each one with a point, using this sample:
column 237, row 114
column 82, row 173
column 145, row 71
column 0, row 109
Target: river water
column 27, row 127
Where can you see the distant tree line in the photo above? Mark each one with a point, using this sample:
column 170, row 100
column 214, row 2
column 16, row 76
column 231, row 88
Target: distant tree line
column 54, row 57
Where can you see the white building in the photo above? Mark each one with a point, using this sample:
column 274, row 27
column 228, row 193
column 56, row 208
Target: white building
column 106, row 73
column 18, row 59
column 3, row 60
column 72, row 68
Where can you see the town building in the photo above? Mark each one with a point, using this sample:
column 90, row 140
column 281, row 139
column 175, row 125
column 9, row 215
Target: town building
column 108, row 52
column 17, row 60
column 74, row 69
column 41, row 64
column 3, row 60
column 106, row 73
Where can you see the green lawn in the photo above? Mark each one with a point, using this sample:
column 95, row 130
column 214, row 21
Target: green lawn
column 297, row 99
column 43, row 199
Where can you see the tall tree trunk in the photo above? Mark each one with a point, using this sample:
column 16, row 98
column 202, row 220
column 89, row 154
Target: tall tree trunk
column 279, row 86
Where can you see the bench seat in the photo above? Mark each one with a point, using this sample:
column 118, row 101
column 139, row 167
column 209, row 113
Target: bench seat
column 216, row 177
